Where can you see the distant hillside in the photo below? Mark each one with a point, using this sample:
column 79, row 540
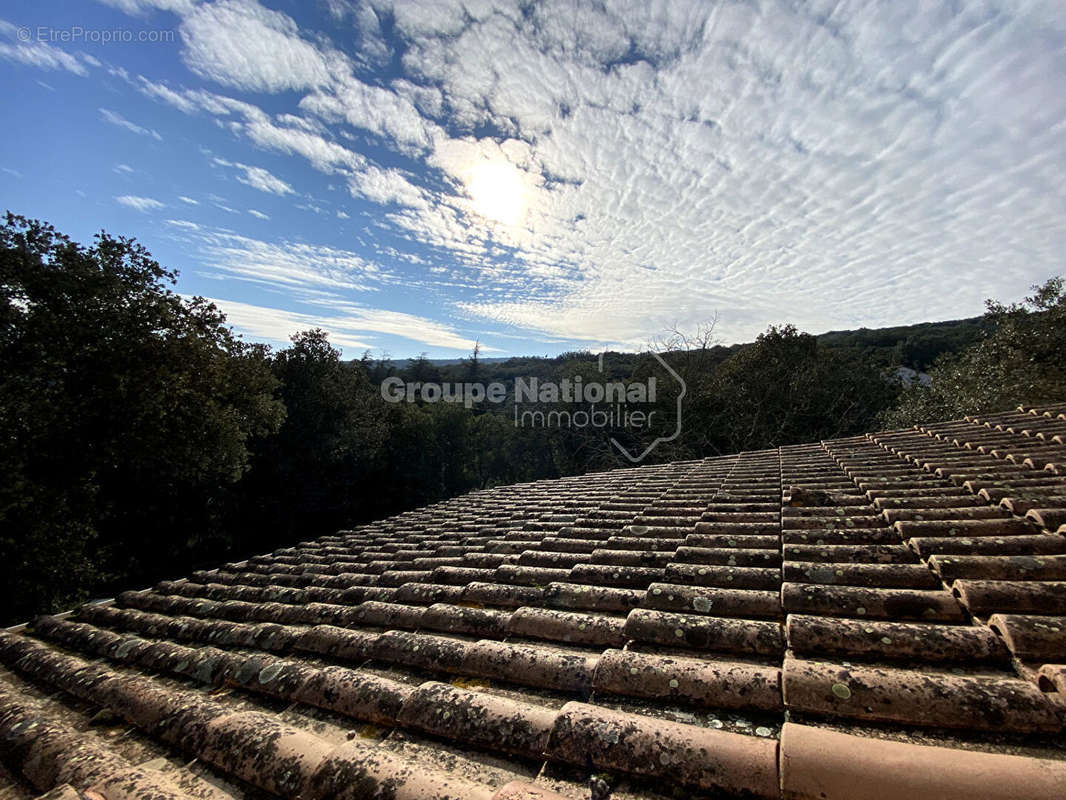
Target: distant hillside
column 451, row 362
column 914, row 347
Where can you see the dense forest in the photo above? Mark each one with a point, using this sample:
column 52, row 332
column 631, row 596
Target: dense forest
column 140, row 437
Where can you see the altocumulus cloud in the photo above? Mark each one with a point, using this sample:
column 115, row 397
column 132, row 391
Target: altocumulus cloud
column 824, row 163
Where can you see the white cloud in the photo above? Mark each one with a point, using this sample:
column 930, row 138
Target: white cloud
column 306, row 123
column 124, row 169
column 240, row 43
column 264, row 181
column 347, row 326
column 114, row 118
column 374, row 109
column 36, row 53
column 407, row 326
column 141, row 6
column 683, row 158
column 294, row 136
column 437, row 17
column 258, row 178
column 769, row 162
column 188, row 200
column 183, row 224
column 191, row 101
column 371, row 48
column 386, row 186
column 325, row 155
column 257, row 214
column 139, row 203
column 289, row 266
column 161, row 91
column 278, row 325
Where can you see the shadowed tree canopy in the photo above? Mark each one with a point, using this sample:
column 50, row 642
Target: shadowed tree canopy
column 786, row 388
column 312, row 475
column 140, row 438
column 422, row 370
column 118, row 400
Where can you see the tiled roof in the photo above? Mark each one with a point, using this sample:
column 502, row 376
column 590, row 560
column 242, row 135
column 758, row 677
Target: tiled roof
column 875, row 617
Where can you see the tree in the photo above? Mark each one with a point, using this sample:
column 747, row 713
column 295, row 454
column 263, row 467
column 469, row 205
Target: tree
column 695, row 356
column 786, row 389
column 379, row 369
column 1019, row 359
column 473, row 364
column 422, row 370
column 120, row 404
column 312, row 476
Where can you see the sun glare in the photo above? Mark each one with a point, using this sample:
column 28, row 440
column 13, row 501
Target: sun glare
column 497, row 192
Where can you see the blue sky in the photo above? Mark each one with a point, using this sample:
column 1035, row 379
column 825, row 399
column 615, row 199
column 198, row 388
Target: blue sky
column 417, row 175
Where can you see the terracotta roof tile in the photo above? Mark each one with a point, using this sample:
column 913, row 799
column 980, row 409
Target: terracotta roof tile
column 567, row 626
column 577, row 596
column 875, row 588
column 823, row 763
column 693, row 756
column 870, row 603
column 1032, row 638
column 894, row 641
column 699, row 632
column 987, row 597
column 927, row 697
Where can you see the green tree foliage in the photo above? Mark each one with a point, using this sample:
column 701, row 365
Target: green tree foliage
column 120, row 404
column 421, row 370
column 312, row 474
column 914, row 346
column 1018, row 360
column 473, row 364
column 139, row 436
column 785, row 389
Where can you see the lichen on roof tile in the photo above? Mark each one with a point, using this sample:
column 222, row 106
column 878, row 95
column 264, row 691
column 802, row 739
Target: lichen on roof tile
column 899, row 595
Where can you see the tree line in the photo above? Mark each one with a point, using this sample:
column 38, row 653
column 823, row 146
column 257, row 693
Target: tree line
column 141, row 438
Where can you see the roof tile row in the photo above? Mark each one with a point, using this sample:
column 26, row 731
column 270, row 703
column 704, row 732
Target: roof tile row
column 619, row 621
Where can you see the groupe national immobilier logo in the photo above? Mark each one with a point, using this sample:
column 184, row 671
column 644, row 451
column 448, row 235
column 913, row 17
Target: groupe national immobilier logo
column 574, row 402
